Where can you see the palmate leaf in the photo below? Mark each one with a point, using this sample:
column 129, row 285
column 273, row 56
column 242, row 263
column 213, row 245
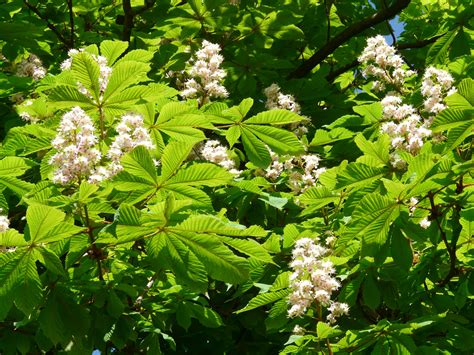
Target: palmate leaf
column 371, row 222
column 173, row 157
column 170, row 252
column 201, row 174
column 19, row 280
column 275, row 117
column 14, row 166
column 256, row 151
column 378, row 151
column 139, row 163
column 66, row 96
column 112, row 50
column 86, row 70
column 264, row 299
column 125, row 74
column 316, row 197
column 46, row 224
column 130, row 224
column 219, row 261
column 358, row 175
column 279, row 140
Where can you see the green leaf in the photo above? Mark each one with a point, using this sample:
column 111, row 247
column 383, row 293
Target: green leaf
column 112, row 50
column 275, row 117
column 124, row 75
column 370, row 222
column 249, row 247
column 256, row 151
column 358, row 175
column 401, row 250
column 18, row 186
column 371, row 112
column 322, row 137
column 201, row 174
column 370, row 292
column 221, row 264
column 14, row 166
column 29, row 288
column 41, row 219
column 139, row 163
column 87, row 71
column 279, row 140
column 316, row 197
column 438, row 52
column 171, row 252
column 264, row 299
column 173, row 157
column 378, row 150
column 214, row 225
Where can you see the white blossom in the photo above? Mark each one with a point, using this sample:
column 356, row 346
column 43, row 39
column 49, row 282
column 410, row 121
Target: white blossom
column 436, row 85
column 131, row 134
column 32, row 67
column 4, row 223
column 216, row 153
column 312, row 279
column 383, row 63
column 424, row 223
column 205, row 74
column 75, row 142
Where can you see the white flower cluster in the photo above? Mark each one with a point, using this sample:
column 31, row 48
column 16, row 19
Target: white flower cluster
column 75, row 142
column 32, row 67
column 298, row 181
column 104, row 74
column 405, row 127
column 206, row 74
column 403, row 124
column 131, row 134
column 216, row 153
column 383, row 63
column 4, row 223
column 77, row 157
column 313, row 280
column 436, row 85
column 277, row 100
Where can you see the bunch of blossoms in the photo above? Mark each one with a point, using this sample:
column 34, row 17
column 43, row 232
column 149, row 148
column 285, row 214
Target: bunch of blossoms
column 216, row 153
column 384, row 64
column 403, row 123
column 32, row 67
column 206, row 75
column 77, row 157
column 131, row 134
column 303, row 171
column 313, row 281
column 104, row 70
column 4, row 222
column 436, row 85
column 277, row 100
column 75, row 142
column 424, row 223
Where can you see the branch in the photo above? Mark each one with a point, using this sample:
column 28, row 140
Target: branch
column 128, row 20
column 341, row 38
column 129, row 16
column 71, row 21
column 49, row 24
column 400, row 46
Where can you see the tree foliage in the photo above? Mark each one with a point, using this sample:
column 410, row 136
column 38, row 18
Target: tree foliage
column 189, row 244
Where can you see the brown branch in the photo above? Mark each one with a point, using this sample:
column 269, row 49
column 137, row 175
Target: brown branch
column 49, row 24
column 71, row 21
column 400, row 46
column 129, row 16
column 341, row 38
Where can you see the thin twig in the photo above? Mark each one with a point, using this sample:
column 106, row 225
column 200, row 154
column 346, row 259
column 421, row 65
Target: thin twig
column 342, row 37
column 51, row 26
column 71, row 21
